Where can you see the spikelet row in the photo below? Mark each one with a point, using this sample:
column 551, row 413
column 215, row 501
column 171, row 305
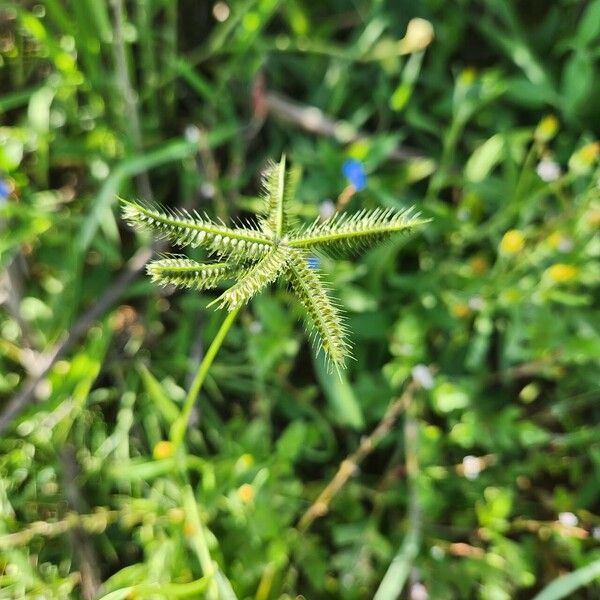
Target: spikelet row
column 186, row 273
column 256, row 278
column 185, row 229
column 360, row 231
column 325, row 324
column 279, row 189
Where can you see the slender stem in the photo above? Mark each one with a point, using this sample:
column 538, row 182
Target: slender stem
column 180, row 425
column 392, row 584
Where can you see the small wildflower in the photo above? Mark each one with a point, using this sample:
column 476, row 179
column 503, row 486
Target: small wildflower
column 584, row 159
column 192, row 134
column 418, row 592
column 568, row 519
column 246, row 493
column 326, row 209
column 422, row 375
column 244, row 462
column 560, row 243
column 548, row 170
column 419, row 34
column 221, row 11
column 207, row 190
column 590, row 152
column 5, row 190
column 471, row 467
column 561, row 273
column 467, row 76
column 530, row 392
column 164, row 449
column 546, row 128
column 476, row 303
column 461, row 310
column 512, row 242
column 313, row 262
column 354, row 171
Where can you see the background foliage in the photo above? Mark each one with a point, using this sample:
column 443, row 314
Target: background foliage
column 484, row 480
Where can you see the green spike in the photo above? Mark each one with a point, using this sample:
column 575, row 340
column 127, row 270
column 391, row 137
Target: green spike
column 186, row 273
column 255, row 256
column 323, row 316
column 255, row 279
column 352, row 233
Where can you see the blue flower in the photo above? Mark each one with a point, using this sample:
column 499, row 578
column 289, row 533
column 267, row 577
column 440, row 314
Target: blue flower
column 354, row 171
column 4, row 189
column 313, row 262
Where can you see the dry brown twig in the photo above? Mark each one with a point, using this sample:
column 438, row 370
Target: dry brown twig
column 348, row 466
column 314, row 120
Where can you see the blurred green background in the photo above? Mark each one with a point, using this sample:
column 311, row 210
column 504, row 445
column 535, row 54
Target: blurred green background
column 465, row 434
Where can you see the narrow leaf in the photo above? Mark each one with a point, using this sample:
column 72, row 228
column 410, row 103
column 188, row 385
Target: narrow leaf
column 345, row 408
column 564, row 586
column 157, row 394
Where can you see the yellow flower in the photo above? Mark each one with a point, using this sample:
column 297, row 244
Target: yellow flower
column 246, row 493
column 243, row 463
column 164, row 449
column 467, row 76
column 589, row 152
column 584, row 159
column 512, row 242
column 546, row 128
column 246, row 459
column 461, row 310
column 561, row 273
column 554, row 240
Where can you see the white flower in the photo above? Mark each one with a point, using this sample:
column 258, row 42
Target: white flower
column 418, row 592
column 422, row 375
column 471, row 467
column 548, row 170
column 568, row 519
column 326, row 209
column 476, row 303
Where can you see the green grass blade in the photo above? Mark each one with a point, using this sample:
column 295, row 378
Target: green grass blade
column 564, row 586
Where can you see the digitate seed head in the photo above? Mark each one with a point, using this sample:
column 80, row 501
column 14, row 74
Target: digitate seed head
column 254, row 255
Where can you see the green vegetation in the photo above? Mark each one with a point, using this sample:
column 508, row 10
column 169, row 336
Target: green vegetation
column 456, row 456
